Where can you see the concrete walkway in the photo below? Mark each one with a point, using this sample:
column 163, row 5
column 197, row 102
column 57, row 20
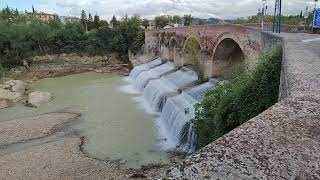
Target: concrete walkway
column 281, row 143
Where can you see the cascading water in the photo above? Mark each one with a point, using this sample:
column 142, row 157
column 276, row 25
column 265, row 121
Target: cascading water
column 177, row 112
column 144, row 67
column 144, row 77
column 157, row 90
column 136, row 71
column 162, row 91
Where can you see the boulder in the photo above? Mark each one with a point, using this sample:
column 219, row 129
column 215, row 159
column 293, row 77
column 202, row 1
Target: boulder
column 36, row 99
column 12, row 90
column 4, row 103
column 10, row 96
column 16, row 86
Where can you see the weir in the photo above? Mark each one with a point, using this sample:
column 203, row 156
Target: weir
column 144, row 67
column 171, row 92
column 177, row 114
column 144, row 77
column 158, row 90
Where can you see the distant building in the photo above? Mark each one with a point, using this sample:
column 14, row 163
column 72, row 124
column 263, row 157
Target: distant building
column 45, row 16
column 69, row 19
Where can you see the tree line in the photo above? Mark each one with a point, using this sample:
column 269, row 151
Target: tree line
column 289, row 20
column 23, row 36
column 161, row 21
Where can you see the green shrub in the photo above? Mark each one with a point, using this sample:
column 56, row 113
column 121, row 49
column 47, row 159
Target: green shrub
column 239, row 99
column 23, row 36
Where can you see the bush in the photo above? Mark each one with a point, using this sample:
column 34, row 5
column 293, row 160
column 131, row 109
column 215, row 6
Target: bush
column 22, row 36
column 238, row 100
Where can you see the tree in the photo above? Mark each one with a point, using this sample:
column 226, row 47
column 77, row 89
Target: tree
column 301, row 14
column 176, row 19
column 84, row 19
column 22, row 37
column 103, row 23
column 33, row 11
column 114, row 22
column 202, row 22
column 161, row 21
column 187, row 20
column 145, row 23
column 96, row 21
column 90, row 22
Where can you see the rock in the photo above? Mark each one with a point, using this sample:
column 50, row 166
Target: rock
column 10, row 96
column 126, row 69
column 4, row 103
column 138, row 176
column 5, row 86
column 16, row 86
column 123, row 162
column 12, row 90
column 37, row 98
column 98, row 70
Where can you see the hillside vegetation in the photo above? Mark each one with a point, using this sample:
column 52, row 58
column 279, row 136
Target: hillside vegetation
column 22, row 36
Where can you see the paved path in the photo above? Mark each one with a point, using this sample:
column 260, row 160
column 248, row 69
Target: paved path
column 281, row 143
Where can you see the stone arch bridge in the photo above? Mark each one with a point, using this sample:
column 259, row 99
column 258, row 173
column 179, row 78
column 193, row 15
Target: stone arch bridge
column 220, row 47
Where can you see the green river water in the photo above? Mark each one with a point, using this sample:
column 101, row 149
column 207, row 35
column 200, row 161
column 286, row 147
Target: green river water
column 112, row 124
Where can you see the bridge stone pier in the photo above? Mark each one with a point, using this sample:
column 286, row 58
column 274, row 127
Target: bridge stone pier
column 220, row 47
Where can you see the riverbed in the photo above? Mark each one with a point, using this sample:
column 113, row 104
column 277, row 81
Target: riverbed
column 113, row 127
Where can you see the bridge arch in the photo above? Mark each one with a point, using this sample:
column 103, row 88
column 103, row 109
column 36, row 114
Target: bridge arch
column 188, row 40
column 228, row 55
column 190, row 50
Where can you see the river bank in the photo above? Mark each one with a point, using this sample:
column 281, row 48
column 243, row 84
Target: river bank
column 58, row 65
column 47, row 146
column 61, row 158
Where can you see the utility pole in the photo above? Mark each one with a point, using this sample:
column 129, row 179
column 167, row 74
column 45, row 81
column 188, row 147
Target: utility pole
column 277, row 16
column 264, row 9
column 306, row 15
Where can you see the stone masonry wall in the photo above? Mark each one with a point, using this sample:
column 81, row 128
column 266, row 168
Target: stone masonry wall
column 281, row 143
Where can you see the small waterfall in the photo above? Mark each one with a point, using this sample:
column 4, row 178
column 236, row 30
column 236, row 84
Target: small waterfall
column 144, row 67
column 157, row 90
column 177, row 113
column 144, row 77
column 198, row 92
column 162, row 92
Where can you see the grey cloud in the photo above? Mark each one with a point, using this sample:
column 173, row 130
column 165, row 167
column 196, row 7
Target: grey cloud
column 150, row 8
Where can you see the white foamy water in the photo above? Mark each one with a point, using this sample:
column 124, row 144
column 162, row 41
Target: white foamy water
column 155, row 73
column 157, row 90
column 144, row 67
column 163, row 96
column 177, row 112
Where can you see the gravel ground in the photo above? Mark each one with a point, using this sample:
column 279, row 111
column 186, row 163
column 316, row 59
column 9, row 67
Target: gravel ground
column 61, row 159
column 21, row 130
column 57, row 160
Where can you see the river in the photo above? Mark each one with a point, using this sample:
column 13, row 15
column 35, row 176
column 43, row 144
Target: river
column 113, row 126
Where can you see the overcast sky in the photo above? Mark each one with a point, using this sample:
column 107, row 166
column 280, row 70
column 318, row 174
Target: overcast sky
column 149, row 8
